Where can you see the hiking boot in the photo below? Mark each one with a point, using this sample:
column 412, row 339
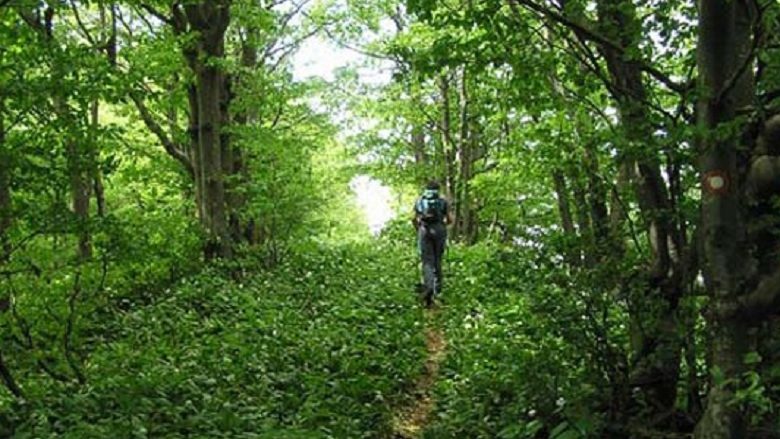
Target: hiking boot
column 429, row 300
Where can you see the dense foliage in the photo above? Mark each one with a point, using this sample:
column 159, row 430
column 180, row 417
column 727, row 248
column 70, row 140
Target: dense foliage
column 324, row 345
column 181, row 255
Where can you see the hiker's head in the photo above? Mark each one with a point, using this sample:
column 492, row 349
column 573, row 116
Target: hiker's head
column 431, row 189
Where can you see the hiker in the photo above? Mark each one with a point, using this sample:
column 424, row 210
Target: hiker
column 431, row 216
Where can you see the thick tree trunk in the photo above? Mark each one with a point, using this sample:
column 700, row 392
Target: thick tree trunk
column 210, row 146
column 207, row 109
column 724, row 39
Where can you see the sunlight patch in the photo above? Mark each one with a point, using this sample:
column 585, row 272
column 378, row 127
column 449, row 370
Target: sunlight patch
column 374, row 200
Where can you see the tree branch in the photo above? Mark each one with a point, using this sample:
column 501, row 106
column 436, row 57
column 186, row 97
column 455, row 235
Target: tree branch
column 170, row 146
column 81, row 25
column 601, row 40
column 157, row 14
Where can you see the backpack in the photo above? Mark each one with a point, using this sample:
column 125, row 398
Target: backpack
column 431, row 208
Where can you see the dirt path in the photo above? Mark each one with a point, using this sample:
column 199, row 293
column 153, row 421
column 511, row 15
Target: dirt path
column 411, row 420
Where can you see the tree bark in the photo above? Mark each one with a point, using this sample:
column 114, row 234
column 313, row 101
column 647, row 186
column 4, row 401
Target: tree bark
column 80, row 197
column 210, row 20
column 210, row 147
column 724, row 39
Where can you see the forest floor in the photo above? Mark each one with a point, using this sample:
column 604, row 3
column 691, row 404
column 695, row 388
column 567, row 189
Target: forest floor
column 411, row 420
column 332, row 343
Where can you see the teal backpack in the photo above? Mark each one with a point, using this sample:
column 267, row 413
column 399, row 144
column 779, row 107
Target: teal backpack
column 431, row 208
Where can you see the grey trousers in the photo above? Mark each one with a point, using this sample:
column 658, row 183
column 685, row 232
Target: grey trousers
column 432, row 239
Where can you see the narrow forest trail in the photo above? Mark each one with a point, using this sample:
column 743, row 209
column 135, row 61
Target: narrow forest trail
column 410, row 420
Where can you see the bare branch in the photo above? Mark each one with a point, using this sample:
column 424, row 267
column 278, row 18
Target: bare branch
column 287, row 49
column 81, row 25
column 157, row 14
column 277, row 116
column 285, row 22
column 359, row 50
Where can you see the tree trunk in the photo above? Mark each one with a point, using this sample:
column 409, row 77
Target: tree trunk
column 418, row 143
column 597, row 200
column 210, row 146
column 195, row 155
column 77, row 154
column 210, row 20
column 564, row 211
column 229, row 171
column 80, row 196
column 724, row 41
column 448, row 148
column 108, row 22
column 96, row 174
column 245, row 117
column 463, row 208
column 584, row 226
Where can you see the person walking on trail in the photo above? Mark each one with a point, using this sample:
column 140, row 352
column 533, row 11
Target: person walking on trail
column 431, row 217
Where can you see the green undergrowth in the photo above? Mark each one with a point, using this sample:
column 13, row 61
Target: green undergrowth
column 510, row 372
column 322, row 346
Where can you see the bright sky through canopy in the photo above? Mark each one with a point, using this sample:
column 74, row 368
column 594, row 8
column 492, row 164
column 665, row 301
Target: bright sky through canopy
column 320, row 58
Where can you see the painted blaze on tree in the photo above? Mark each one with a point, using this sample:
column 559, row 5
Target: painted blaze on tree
column 717, row 182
